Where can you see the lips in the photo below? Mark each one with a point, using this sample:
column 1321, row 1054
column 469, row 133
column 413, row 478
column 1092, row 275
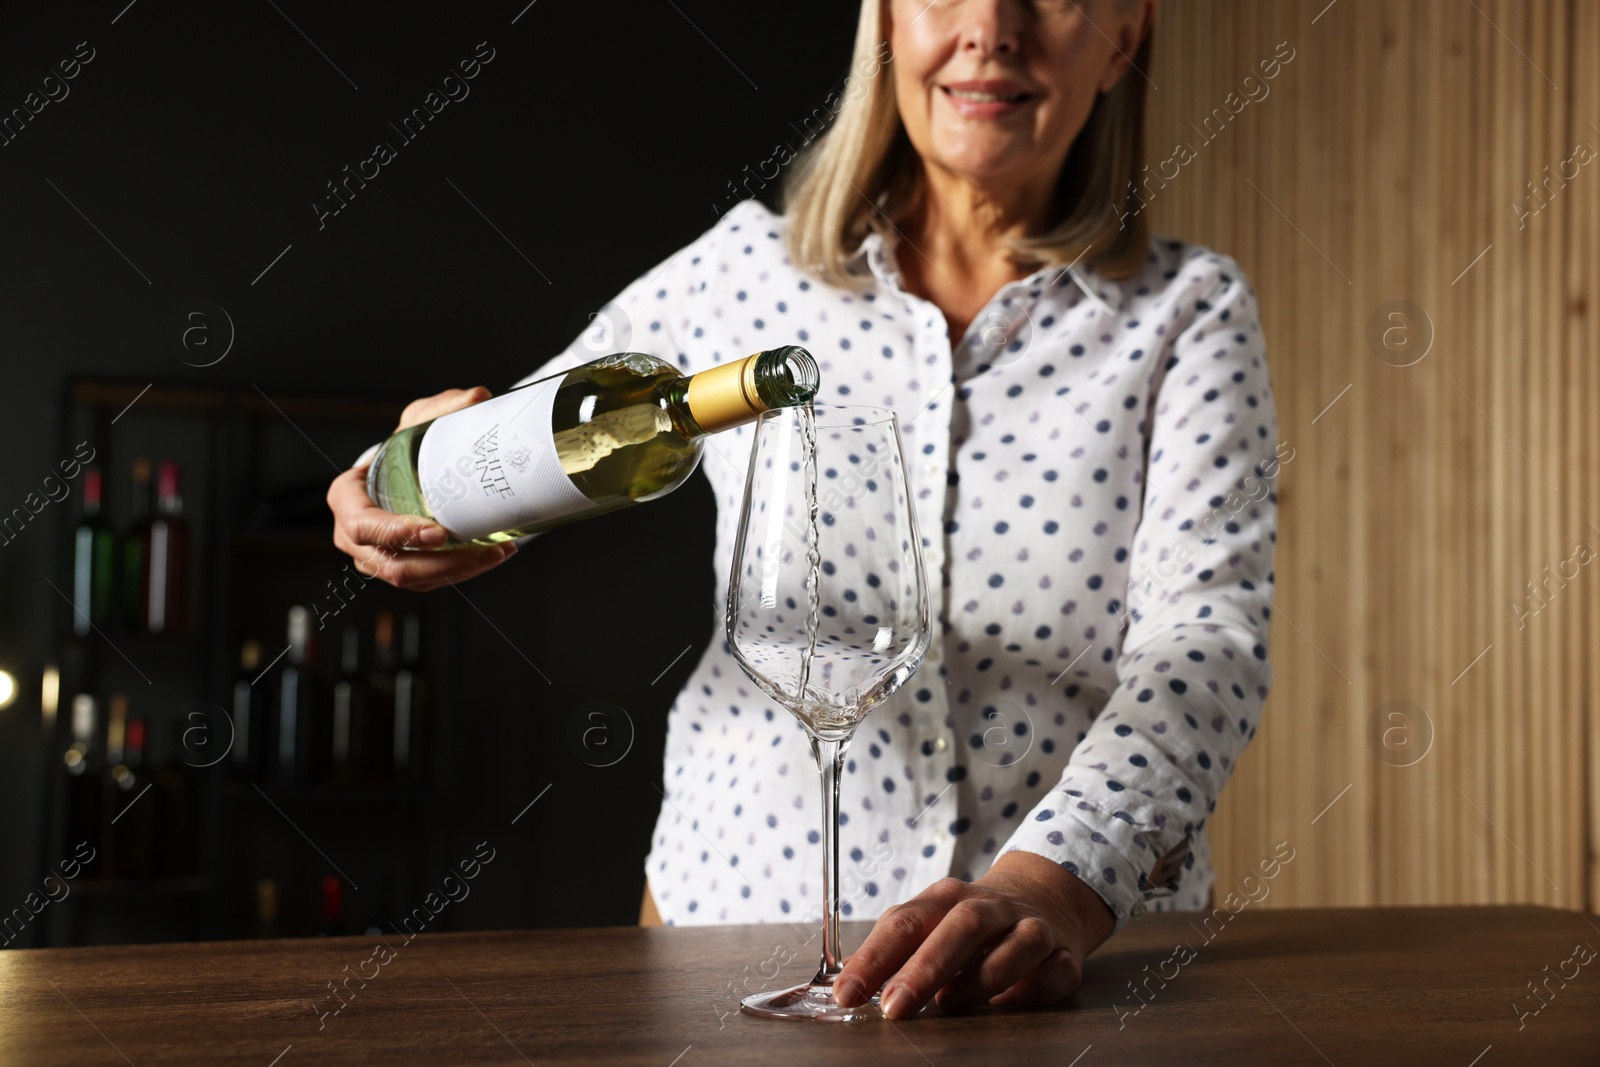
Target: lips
column 992, row 91
column 987, row 101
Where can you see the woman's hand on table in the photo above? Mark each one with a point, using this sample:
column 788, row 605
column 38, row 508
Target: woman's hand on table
column 377, row 540
column 1018, row 935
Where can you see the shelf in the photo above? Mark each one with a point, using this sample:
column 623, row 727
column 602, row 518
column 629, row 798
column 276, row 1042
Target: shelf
column 117, row 396
column 307, row 795
column 286, row 540
column 143, row 888
column 260, row 539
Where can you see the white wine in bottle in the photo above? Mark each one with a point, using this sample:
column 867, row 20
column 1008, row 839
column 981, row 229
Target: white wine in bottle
column 619, row 430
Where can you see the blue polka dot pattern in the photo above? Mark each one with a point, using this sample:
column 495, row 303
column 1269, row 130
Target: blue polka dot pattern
column 1094, row 468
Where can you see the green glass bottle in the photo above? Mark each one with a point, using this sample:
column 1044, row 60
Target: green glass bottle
column 93, row 553
column 616, row 431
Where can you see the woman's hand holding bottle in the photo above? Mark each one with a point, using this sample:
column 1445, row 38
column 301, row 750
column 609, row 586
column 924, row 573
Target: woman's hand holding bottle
column 377, row 539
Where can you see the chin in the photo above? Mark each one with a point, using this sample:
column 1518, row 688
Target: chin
column 982, row 165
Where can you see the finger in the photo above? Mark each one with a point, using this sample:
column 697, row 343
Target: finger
column 957, row 942
column 425, row 571
column 1053, row 980
column 364, row 523
column 1024, row 947
column 894, row 937
column 429, row 570
column 489, row 563
column 373, row 527
column 431, row 407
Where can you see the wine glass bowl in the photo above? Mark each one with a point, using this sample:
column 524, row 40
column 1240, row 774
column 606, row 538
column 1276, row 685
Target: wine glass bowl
column 827, row 608
column 872, row 626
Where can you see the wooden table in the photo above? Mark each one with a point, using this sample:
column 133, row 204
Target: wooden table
column 1347, row 987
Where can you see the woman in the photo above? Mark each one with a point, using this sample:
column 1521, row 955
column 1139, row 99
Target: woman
column 1093, row 425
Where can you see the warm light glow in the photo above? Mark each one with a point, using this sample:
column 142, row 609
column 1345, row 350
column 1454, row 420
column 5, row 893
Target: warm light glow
column 8, row 689
column 49, row 698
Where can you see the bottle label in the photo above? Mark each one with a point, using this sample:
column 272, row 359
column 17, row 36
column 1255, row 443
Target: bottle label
column 494, row 467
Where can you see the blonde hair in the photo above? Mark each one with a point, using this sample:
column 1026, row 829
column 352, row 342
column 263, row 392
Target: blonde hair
column 864, row 164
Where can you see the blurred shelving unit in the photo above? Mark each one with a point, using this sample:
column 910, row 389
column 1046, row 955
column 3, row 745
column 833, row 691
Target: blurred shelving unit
column 255, row 468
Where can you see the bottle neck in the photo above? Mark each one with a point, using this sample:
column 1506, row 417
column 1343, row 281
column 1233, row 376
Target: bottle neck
column 91, row 494
column 168, row 499
column 133, row 750
column 735, row 393
column 383, row 642
column 140, row 509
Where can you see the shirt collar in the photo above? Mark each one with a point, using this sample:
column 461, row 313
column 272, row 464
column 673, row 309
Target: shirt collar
column 874, row 252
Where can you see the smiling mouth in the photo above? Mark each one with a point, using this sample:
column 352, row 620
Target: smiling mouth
column 986, row 98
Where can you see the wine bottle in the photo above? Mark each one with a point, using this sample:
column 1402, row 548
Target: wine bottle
column 92, row 555
column 129, row 818
column 349, row 741
column 248, row 759
column 410, row 707
column 167, row 558
column 176, row 849
column 85, row 807
column 619, row 430
column 332, row 907
column 380, row 703
column 266, row 908
column 134, row 547
column 110, row 800
column 298, row 713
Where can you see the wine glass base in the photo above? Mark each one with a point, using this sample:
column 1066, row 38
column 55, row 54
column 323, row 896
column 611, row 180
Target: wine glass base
column 809, row 1001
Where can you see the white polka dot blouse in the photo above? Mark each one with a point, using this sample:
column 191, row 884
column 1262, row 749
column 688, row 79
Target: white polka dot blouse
column 1094, row 470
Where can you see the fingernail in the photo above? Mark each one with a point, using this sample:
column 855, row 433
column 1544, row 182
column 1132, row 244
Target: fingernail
column 847, row 992
column 432, row 535
column 508, row 550
column 897, row 1002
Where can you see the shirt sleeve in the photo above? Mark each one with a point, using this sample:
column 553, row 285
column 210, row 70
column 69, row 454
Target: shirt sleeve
column 654, row 313
column 1193, row 672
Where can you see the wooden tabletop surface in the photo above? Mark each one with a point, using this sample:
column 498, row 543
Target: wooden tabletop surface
column 1345, row 987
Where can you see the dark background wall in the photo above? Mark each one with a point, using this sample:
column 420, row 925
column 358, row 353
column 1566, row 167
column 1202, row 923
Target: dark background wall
column 186, row 158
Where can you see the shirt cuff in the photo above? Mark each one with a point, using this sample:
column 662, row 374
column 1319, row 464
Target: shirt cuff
column 1085, row 830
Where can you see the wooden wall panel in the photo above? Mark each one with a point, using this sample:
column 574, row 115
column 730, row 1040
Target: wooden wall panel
column 1385, row 164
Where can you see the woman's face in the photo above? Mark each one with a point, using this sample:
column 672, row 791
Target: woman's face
column 1049, row 58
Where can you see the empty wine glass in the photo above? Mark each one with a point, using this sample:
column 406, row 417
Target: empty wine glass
column 827, row 611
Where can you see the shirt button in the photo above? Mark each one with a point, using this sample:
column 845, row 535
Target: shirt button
column 940, row 744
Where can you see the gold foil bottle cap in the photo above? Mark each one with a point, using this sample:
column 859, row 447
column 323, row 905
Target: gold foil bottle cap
column 725, row 395
column 737, row 392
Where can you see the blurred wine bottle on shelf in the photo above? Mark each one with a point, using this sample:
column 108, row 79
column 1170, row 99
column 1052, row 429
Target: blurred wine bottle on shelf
column 296, row 692
column 84, row 811
column 176, row 848
column 164, row 583
column 251, row 734
column 410, row 707
column 379, row 924
column 332, row 907
column 93, row 559
column 380, row 701
column 127, row 814
column 350, row 713
column 134, row 547
column 266, row 908
column 110, row 799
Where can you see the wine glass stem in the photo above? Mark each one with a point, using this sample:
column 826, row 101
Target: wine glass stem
column 830, row 762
